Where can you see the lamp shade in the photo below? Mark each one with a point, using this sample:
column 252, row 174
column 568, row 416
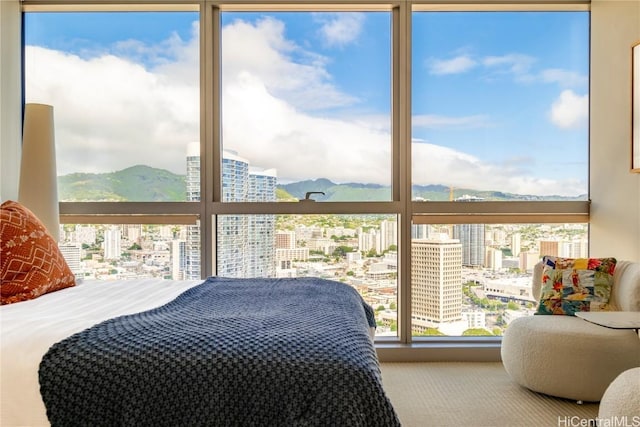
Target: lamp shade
column 38, row 188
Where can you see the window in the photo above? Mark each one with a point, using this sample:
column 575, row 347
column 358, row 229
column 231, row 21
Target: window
column 500, row 110
column 499, row 119
column 306, row 99
column 474, row 279
column 209, row 124
column 125, row 90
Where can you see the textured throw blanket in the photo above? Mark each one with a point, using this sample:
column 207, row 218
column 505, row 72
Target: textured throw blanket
column 228, row 352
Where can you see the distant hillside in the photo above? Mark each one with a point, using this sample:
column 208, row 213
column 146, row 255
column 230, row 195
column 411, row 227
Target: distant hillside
column 337, row 192
column 138, row 183
column 442, row 193
column 374, row 192
column 146, row 184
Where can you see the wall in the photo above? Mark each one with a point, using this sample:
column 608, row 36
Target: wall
column 10, row 98
column 615, row 192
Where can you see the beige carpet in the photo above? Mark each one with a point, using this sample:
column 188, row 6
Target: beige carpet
column 474, row 395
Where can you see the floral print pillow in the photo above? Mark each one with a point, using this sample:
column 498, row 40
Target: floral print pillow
column 571, row 285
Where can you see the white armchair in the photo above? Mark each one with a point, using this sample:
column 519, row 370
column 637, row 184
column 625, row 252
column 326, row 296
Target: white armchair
column 568, row 357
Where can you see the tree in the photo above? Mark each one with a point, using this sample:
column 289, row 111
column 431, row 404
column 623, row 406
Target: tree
column 341, row 251
column 511, row 305
column 430, row 332
column 476, row 332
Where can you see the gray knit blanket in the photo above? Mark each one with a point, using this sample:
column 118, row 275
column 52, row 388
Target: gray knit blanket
column 228, row 352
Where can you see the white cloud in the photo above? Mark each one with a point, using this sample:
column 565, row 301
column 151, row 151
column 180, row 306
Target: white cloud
column 457, row 65
column 300, row 145
column 340, row 29
column 564, row 78
column 438, row 122
column 288, row 71
column 103, row 123
column 570, row 110
column 513, row 63
column 433, row 164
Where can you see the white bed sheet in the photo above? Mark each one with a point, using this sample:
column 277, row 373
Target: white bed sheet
column 28, row 329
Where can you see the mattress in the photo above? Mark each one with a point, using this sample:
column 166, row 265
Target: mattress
column 29, row 328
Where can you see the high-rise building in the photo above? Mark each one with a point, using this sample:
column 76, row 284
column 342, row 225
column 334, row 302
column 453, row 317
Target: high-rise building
column 71, row 253
column 388, row 234
column 112, row 243
column 261, row 256
column 471, row 237
column 516, row 244
column 178, row 259
column 192, row 242
column 528, row 260
column 245, row 245
column 494, row 259
column 550, row 247
column 132, row 232
column 285, row 239
column 368, row 240
column 436, row 281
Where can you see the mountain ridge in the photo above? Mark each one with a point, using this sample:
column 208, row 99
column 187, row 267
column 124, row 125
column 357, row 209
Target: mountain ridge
column 142, row 183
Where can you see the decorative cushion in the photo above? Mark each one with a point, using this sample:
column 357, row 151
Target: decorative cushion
column 571, row 285
column 31, row 263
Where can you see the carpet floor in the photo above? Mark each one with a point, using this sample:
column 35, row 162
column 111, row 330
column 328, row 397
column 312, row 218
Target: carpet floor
column 474, row 395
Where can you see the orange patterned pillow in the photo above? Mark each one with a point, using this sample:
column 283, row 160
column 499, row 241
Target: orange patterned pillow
column 31, row 263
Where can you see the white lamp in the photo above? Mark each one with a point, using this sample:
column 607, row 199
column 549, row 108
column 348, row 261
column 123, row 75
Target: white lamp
column 38, row 189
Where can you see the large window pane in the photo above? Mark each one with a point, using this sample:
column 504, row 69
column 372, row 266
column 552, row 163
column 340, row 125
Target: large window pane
column 473, row 279
column 306, row 96
column 125, row 92
column 500, row 105
column 360, row 250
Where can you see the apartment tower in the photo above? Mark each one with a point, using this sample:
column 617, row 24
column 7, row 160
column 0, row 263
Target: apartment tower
column 245, row 243
column 436, row 282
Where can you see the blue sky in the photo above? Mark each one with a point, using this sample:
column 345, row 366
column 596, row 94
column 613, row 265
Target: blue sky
column 499, row 99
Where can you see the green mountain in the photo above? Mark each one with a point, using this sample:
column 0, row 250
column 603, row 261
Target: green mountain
column 138, row 183
column 146, row 184
column 337, row 192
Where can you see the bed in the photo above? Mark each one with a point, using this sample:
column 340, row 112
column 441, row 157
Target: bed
column 219, row 352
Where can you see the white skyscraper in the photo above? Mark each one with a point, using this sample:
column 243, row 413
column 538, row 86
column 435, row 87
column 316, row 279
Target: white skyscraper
column 436, row 282
column 388, row 234
column 516, row 244
column 245, row 245
column 111, row 244
column 178, row 259
column 192, row 243
column 471, row 237
column 261, row 256
column 72, row 254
